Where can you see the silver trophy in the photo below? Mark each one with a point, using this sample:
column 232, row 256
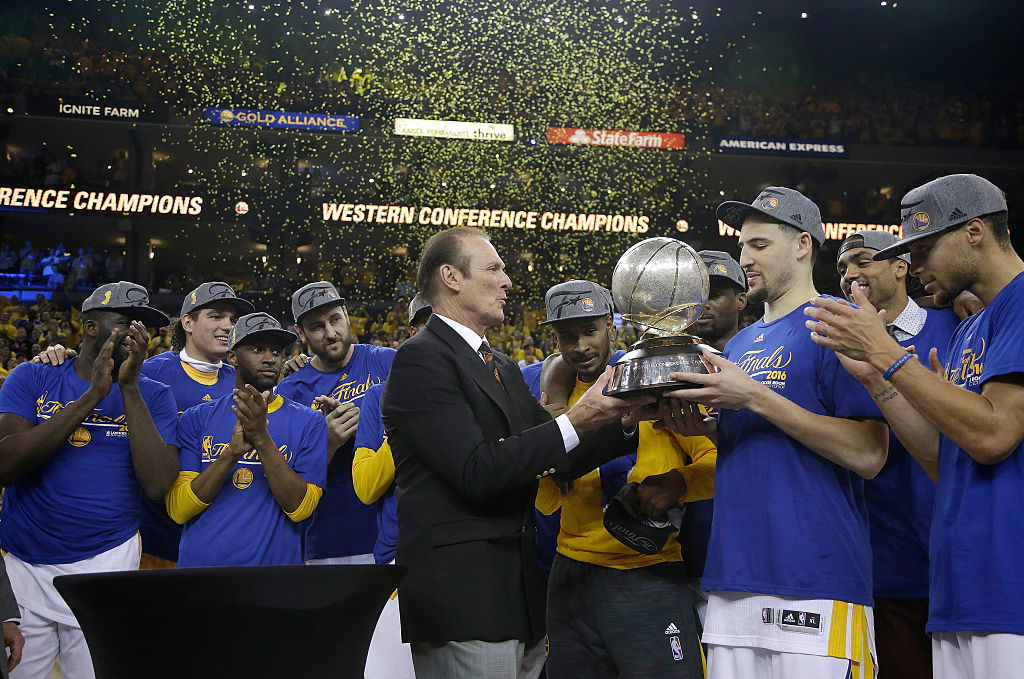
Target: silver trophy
column 660, row 286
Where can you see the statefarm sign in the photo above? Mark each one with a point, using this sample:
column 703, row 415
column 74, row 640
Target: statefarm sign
column 833, row 230
column 492, row 219
column 645, row 140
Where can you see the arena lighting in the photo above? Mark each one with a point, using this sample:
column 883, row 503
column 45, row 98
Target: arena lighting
column 401, row 17
column 547, row 20
column 803, row 15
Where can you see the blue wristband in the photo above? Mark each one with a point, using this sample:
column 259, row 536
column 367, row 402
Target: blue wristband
column 896, row 366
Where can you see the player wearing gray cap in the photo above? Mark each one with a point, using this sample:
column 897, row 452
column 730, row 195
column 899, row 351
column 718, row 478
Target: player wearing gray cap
column 373, row 476
column 273, row 450
column 596, row 627
column 901, row 498
column 79, row 443
column 716, row 326
column 196, row 372
column 965, row 428
column 789, row 561
column 344, row 530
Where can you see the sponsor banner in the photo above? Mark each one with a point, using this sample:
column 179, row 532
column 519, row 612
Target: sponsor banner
column 645, row 140
column 286, row 120
column 69, row 200
column 96, row 109
column 452, row 129
column 492, row 219
column 781, row 147
column 833, row 230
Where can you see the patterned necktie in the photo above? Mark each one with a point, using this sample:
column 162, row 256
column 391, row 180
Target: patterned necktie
column 891, row 329
column 488, row 355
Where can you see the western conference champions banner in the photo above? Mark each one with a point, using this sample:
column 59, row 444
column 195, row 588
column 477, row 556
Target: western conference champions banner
column 286, row 120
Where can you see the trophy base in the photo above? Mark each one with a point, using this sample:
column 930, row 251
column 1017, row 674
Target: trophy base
column 645, row 370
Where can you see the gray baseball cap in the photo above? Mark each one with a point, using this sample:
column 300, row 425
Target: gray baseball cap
column 215, row 291
column 126, row 298
column 942, row 204
column 416, row 305
column 314, row 296
column 577, row 299
column 872, row 240
column 785, row 205
column 723, row 265
column 259, row 323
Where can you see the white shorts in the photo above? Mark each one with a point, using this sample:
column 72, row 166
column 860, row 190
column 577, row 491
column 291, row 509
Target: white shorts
column 388, row 657
column 738, row 662
column 977, row 655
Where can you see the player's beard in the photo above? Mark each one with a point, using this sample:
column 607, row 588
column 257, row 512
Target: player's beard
column 338, row 350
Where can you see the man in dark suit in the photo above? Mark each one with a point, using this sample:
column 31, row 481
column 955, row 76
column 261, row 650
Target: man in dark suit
column 10, row 614
column 470, row 443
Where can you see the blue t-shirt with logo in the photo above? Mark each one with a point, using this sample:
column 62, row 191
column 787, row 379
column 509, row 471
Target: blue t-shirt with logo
column 160, row 534
column 371, row 435
column 901, row 498
column 85, row 499
column 788, row 522
column 341, row 525
column 977, row 577
column 244, row 525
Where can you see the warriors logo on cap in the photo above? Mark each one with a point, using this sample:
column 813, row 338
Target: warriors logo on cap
column 314, row 296
column 576, row 299
column 260, row 323
column 920, row 221
column 769, row 203
column 719, row 270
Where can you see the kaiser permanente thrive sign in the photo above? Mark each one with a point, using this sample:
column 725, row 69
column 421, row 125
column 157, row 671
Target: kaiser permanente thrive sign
column 644, row 140
column 281, row 119
column 493, row 219
column 453, row 129
column 99, row 201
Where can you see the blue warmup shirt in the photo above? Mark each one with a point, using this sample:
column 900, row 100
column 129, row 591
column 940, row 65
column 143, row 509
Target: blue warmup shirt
column 788, row 522
column 341, row 524
column 371, row 435
column 977, row 578
column 85, row 499
column 244, row 525
column 901, row 498
column 160, row 534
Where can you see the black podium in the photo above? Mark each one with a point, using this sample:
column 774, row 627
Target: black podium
column 275, row 622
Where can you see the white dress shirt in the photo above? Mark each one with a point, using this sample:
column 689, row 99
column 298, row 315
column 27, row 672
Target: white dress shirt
column 569, row 436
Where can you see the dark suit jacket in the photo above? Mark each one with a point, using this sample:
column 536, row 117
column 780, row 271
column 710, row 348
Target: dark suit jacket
column 8, row 608
column 468, row 452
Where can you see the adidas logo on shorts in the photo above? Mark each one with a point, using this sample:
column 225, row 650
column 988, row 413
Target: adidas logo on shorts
column 671, row 629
